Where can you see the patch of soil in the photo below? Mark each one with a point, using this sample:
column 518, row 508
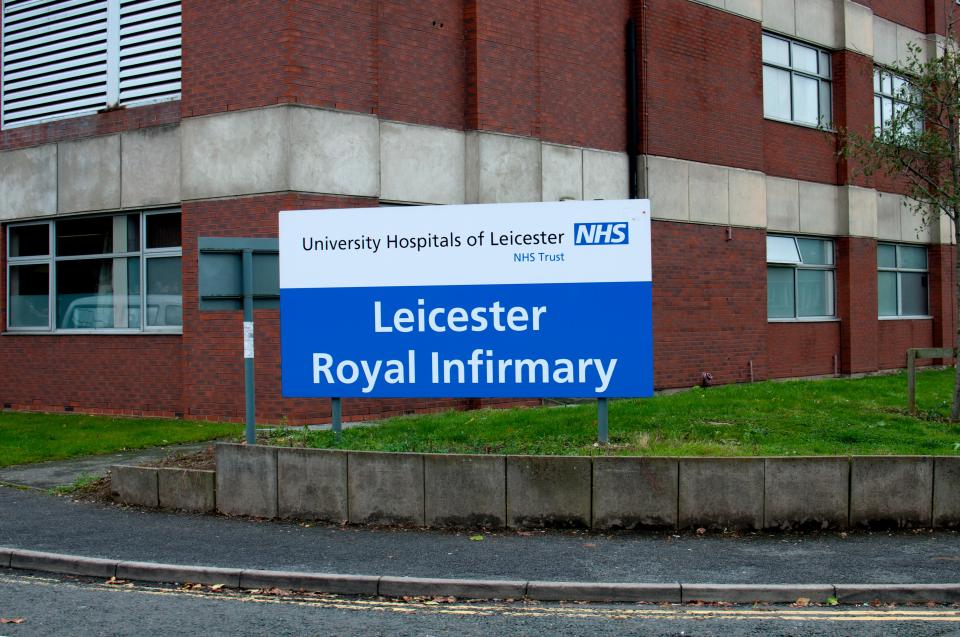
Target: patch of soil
column 198, row 460
column 96, row 491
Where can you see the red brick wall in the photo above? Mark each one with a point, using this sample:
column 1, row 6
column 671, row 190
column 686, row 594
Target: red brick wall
column 709, row 304
column 857, row 304
column 910, row 13
column 799, row 152
column 943, row 284
column 852, row 107
column 802, row 349
column 897, row 336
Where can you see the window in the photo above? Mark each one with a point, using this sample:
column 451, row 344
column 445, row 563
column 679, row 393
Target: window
column 796, row 82
column 901, row 280
column 891, row 97
column 117, row 272
column 63, row 58
column 800, row 278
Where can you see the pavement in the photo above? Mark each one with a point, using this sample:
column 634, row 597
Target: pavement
column 166, row 547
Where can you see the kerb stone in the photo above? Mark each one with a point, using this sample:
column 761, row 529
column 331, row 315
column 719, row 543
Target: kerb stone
column 187, row 489
column 134, row 485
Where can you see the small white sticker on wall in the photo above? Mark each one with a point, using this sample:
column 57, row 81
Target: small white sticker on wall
column 248, row 339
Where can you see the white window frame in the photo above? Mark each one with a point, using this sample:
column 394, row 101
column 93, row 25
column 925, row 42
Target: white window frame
column 899, row 316
column 799, row 265
column 895, row 97
column 823, row 78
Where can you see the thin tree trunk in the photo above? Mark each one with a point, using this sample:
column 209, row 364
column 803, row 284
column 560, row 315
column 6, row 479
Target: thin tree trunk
column 955, row 407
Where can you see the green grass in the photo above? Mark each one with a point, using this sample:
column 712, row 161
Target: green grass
column 34, row 437
column 822, row 417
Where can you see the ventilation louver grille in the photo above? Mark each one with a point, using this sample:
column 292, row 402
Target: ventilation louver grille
column 149, row 50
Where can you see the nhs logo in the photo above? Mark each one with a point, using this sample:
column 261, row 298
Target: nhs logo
column 601, row 233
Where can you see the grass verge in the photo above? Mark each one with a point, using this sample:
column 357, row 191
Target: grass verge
column 812, row 417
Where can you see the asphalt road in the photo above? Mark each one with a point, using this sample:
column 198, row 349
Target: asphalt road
column 60, row 606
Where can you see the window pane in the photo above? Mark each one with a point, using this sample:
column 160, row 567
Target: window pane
column 84, row 236
column 913, row 293
column 814, row 293
column 877, row 113
column 782, row 250
column 163, row 231
column 825, row 70
column 886, row 110
column 806, row 100
column 780, row 293
column 164, row 292
column 776, row 51
column 816, row 251
column 887, row 293
column 30, row 241
column 886, row 86
column 29, row 296
column 886, row 256
column 826, row 106
column 804, row 58
column 876, row 80
column 776, row 93
column 913, row 258
column 85, row 294
column 899, row 87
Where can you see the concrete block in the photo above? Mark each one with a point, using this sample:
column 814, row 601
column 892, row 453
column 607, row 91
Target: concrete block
column 463, row 588
column 508, row 168
column 134, row 485
column 806, row 492
column 820, row 211
column 888, row 216
column 28, row 182
column 783, row 204
column 913, row 224
column 386, row 488
column 721, row 493
column 312, row 484
column 605, row 175
column 562, row 172
column 247, row 480
column 471, row 167
column 780, row 15
column 465, row 490
column 315, row 582
column 751, row 593
column 548, row 491
column 668, row 188
column 421, row 164
column 820, row 22
column 858, row 28
column 236, row 153
column 63, row 564
column 604, row 592
column 891, row 491
column 709, row 193
column 748, row 198
column 630, row 493
column 861, row 208
column 946, row 492
column 150, row 166
column 179, row 574
column 943, row 230
column 884, row 41
column 332, row 152
column 898, row 593
column 752, row 9
column 88, row 174
column 187, row 489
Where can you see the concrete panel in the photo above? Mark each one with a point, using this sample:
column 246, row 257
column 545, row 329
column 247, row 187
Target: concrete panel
column 234, row 153
column 804, row 493
column 946, row 492
column 465, row 491
column 336, row 153
column 891, row 491
column 888, row 216
column 780, row 15
column 668, row 188
column 312, row 485
column 28, row 182
column 247, row 480
column 820, row 211
column 386, row 488
column 943, row 231
column 605, row 175
column 88, row 174
column 548, row 491
column 471, row 167
column 884, row 41
column 562, row 172
column 150, row 166
column 752, row 9
column 134, row 485
column 709, row 193
column 186, row 489
column 748, row 198
column 860, row 205
column 721, row 493
column 820, row 22
column 508, row 169
column 783, row 204
column 630, row 493
column 858, row 28
column 719, row 4
column 906, row 37
column 421, row 164
column 913, row 226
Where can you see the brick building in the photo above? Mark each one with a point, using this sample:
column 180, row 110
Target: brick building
column 133, row 127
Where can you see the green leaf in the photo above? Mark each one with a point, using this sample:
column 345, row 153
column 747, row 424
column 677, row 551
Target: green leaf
column 476, row 538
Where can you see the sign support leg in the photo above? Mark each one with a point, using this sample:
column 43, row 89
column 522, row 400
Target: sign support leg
column 248, row 375
column 602, row 436
column 336, row 419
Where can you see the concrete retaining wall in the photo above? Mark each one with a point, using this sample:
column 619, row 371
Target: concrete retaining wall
column 581, row 492
column 182, row 489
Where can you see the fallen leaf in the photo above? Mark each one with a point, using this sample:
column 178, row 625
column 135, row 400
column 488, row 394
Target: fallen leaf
column 12, row 620
column 216, row 587
column 476, row 538
column 589, row 546
column 832, row 601
column 701, row 531
column 803, row 601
